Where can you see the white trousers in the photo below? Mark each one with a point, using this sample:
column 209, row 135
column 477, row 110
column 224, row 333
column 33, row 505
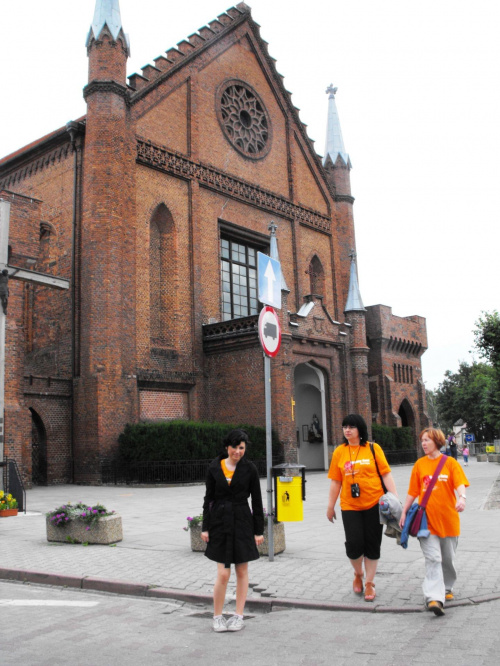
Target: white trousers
column 440, row 573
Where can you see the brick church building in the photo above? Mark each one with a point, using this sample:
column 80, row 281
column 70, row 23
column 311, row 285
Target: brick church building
column 153, row 205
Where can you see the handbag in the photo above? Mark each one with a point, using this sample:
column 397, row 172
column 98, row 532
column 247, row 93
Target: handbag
column 378, row 471
column 417, row 514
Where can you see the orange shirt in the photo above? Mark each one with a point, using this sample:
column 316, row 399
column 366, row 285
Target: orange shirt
column 227, row 472
column 355, row 464
column 442, row 517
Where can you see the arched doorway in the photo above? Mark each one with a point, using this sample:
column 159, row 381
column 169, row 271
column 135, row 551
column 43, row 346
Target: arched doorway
column 406, row 415
column 310, row 416
column 38, row 450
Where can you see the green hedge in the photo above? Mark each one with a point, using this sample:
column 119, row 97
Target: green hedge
column 392, row 439
column 185, row 440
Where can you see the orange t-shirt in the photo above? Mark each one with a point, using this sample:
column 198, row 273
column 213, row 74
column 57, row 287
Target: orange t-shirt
column 227, row 472
column 355, row 464
column 442, row 517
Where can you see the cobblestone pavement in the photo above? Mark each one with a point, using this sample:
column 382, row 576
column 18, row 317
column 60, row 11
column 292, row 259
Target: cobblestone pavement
column 53, row 626
column 155, row 550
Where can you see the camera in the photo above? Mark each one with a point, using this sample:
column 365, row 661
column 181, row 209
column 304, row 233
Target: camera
column 355, row 490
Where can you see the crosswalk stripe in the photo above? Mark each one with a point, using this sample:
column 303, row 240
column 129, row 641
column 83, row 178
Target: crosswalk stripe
column 47, row 602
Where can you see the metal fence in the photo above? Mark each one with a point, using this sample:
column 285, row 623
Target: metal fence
column 405, row 457
column 162, row 472
column 13, row 483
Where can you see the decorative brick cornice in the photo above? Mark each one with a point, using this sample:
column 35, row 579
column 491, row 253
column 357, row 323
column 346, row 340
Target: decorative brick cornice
column 106, row 87
column 31, row 168
column 166, row 160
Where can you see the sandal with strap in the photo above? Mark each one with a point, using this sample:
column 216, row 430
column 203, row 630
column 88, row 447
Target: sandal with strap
column 370, row 593
column 357, row 584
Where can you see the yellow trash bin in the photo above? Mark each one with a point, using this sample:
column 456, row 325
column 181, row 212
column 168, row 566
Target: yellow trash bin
column 289, row 493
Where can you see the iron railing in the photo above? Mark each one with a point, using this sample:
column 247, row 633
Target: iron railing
column 404, row 457
column 13, row 483
column 162, row 472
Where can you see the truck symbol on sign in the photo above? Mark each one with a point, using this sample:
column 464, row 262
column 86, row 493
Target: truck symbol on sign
column 270, row 330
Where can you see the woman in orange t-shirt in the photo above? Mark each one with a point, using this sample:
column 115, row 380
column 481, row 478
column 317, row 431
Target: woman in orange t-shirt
column 443, row 520
column 354, row 476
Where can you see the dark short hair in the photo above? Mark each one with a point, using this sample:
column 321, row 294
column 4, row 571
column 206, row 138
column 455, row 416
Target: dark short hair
column 358, row 422
column 235, row 437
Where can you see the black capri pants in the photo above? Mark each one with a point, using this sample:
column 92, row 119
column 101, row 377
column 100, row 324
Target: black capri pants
column 363, row 533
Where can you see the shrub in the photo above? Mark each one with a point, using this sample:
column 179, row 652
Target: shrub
column 391, row 439
column 184, row 440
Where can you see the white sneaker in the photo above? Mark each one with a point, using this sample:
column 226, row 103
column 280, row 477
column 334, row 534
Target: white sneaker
column 220, row 624
column 235, row 623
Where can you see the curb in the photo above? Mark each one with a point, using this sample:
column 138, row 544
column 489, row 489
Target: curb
column 265, row 605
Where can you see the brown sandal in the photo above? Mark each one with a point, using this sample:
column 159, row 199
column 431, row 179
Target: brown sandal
column 370, row 593
column 357, row 584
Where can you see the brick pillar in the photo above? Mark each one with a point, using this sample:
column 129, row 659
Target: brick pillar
column 359, row 364
column 106, row 390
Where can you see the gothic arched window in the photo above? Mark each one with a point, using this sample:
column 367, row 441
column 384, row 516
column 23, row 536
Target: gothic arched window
column 162, row 272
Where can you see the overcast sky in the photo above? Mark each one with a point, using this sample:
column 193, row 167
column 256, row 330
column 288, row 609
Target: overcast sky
column 418, row 99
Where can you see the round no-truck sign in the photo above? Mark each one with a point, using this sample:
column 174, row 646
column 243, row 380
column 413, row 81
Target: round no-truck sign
column 269, row 331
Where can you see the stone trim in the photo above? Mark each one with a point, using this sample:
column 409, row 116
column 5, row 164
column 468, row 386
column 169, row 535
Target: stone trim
column 168, row 161
column 106, row 86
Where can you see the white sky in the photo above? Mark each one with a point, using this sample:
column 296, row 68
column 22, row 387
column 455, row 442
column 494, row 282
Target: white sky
column 418, row 100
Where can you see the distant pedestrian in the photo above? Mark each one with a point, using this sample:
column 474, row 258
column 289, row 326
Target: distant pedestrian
column 231, row 531
column 465, row 453
column 452, row 444
column 354, row 476
column 446, row 501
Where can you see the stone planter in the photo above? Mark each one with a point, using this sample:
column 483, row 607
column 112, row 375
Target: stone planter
column 482, row 457
column 278, row 533
column 494, row 457
column 107, row 530
column 5, row 513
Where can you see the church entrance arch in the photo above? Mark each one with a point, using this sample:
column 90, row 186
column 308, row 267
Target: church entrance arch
column 38, row 450
column 406, row 415
column 310, row 416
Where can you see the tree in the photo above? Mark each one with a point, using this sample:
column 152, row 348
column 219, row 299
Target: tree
column 470, row 394
column 432, row 408
column 487, row 338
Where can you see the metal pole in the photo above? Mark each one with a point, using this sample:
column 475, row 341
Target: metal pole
column 4, row 256
column 269, row 456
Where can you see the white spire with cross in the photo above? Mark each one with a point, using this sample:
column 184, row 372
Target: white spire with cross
column 334, row 142
column 107, row 12
column 354, row 300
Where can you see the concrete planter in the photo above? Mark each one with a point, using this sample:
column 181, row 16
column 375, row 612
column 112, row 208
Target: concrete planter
column 482, row 457
column 494, row 457
column 107, row 530
column 198, row 545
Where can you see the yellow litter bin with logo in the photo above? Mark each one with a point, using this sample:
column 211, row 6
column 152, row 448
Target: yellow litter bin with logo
column 289, row 492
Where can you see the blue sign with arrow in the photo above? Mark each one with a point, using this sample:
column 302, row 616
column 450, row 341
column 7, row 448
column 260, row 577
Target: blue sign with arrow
column 269, row 280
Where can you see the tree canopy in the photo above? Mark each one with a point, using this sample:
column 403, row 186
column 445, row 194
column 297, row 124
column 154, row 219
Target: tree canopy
column 473, row 392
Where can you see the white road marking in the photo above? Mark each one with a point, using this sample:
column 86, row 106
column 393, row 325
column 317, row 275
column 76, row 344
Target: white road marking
column 48, row 602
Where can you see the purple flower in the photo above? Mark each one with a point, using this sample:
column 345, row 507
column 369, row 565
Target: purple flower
column 66, row 518
column 84, row 515
column 189, row 518
column 95, row 511
column 87, row 528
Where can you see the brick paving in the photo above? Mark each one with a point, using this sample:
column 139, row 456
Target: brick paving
column 313, row 570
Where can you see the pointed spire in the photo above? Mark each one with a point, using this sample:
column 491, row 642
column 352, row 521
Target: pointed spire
column 334, row 142
column 354, row 301
column 274, row 251
column 107, row 12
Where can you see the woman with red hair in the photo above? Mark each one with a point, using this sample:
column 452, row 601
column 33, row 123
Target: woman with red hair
column 446, row 501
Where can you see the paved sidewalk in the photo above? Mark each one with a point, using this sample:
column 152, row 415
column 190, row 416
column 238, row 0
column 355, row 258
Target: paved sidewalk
column 313, row 571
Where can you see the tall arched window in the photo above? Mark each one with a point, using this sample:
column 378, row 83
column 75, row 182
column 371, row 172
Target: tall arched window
column 316, row 276
column 162, row 275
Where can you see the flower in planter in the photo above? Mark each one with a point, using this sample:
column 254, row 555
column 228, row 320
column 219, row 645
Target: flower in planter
column 273, row 514
column 90, row 515
column 7, row 501
column 193, row 522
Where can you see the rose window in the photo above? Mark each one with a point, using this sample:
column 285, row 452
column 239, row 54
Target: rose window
column 244, row 119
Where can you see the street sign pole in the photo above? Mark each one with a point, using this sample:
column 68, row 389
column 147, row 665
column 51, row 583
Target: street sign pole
column 269, row 456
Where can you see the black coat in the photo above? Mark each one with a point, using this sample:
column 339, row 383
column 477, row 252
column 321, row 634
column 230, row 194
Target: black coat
column 227, row 518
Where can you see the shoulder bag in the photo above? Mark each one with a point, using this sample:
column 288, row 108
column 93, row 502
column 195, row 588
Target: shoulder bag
column 376, row 465
column 418, row 514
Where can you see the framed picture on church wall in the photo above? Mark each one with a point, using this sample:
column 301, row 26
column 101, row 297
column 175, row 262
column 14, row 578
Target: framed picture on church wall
column 305, row 433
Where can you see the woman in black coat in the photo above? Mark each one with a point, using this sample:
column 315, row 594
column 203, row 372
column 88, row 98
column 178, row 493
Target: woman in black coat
column 231, row 531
